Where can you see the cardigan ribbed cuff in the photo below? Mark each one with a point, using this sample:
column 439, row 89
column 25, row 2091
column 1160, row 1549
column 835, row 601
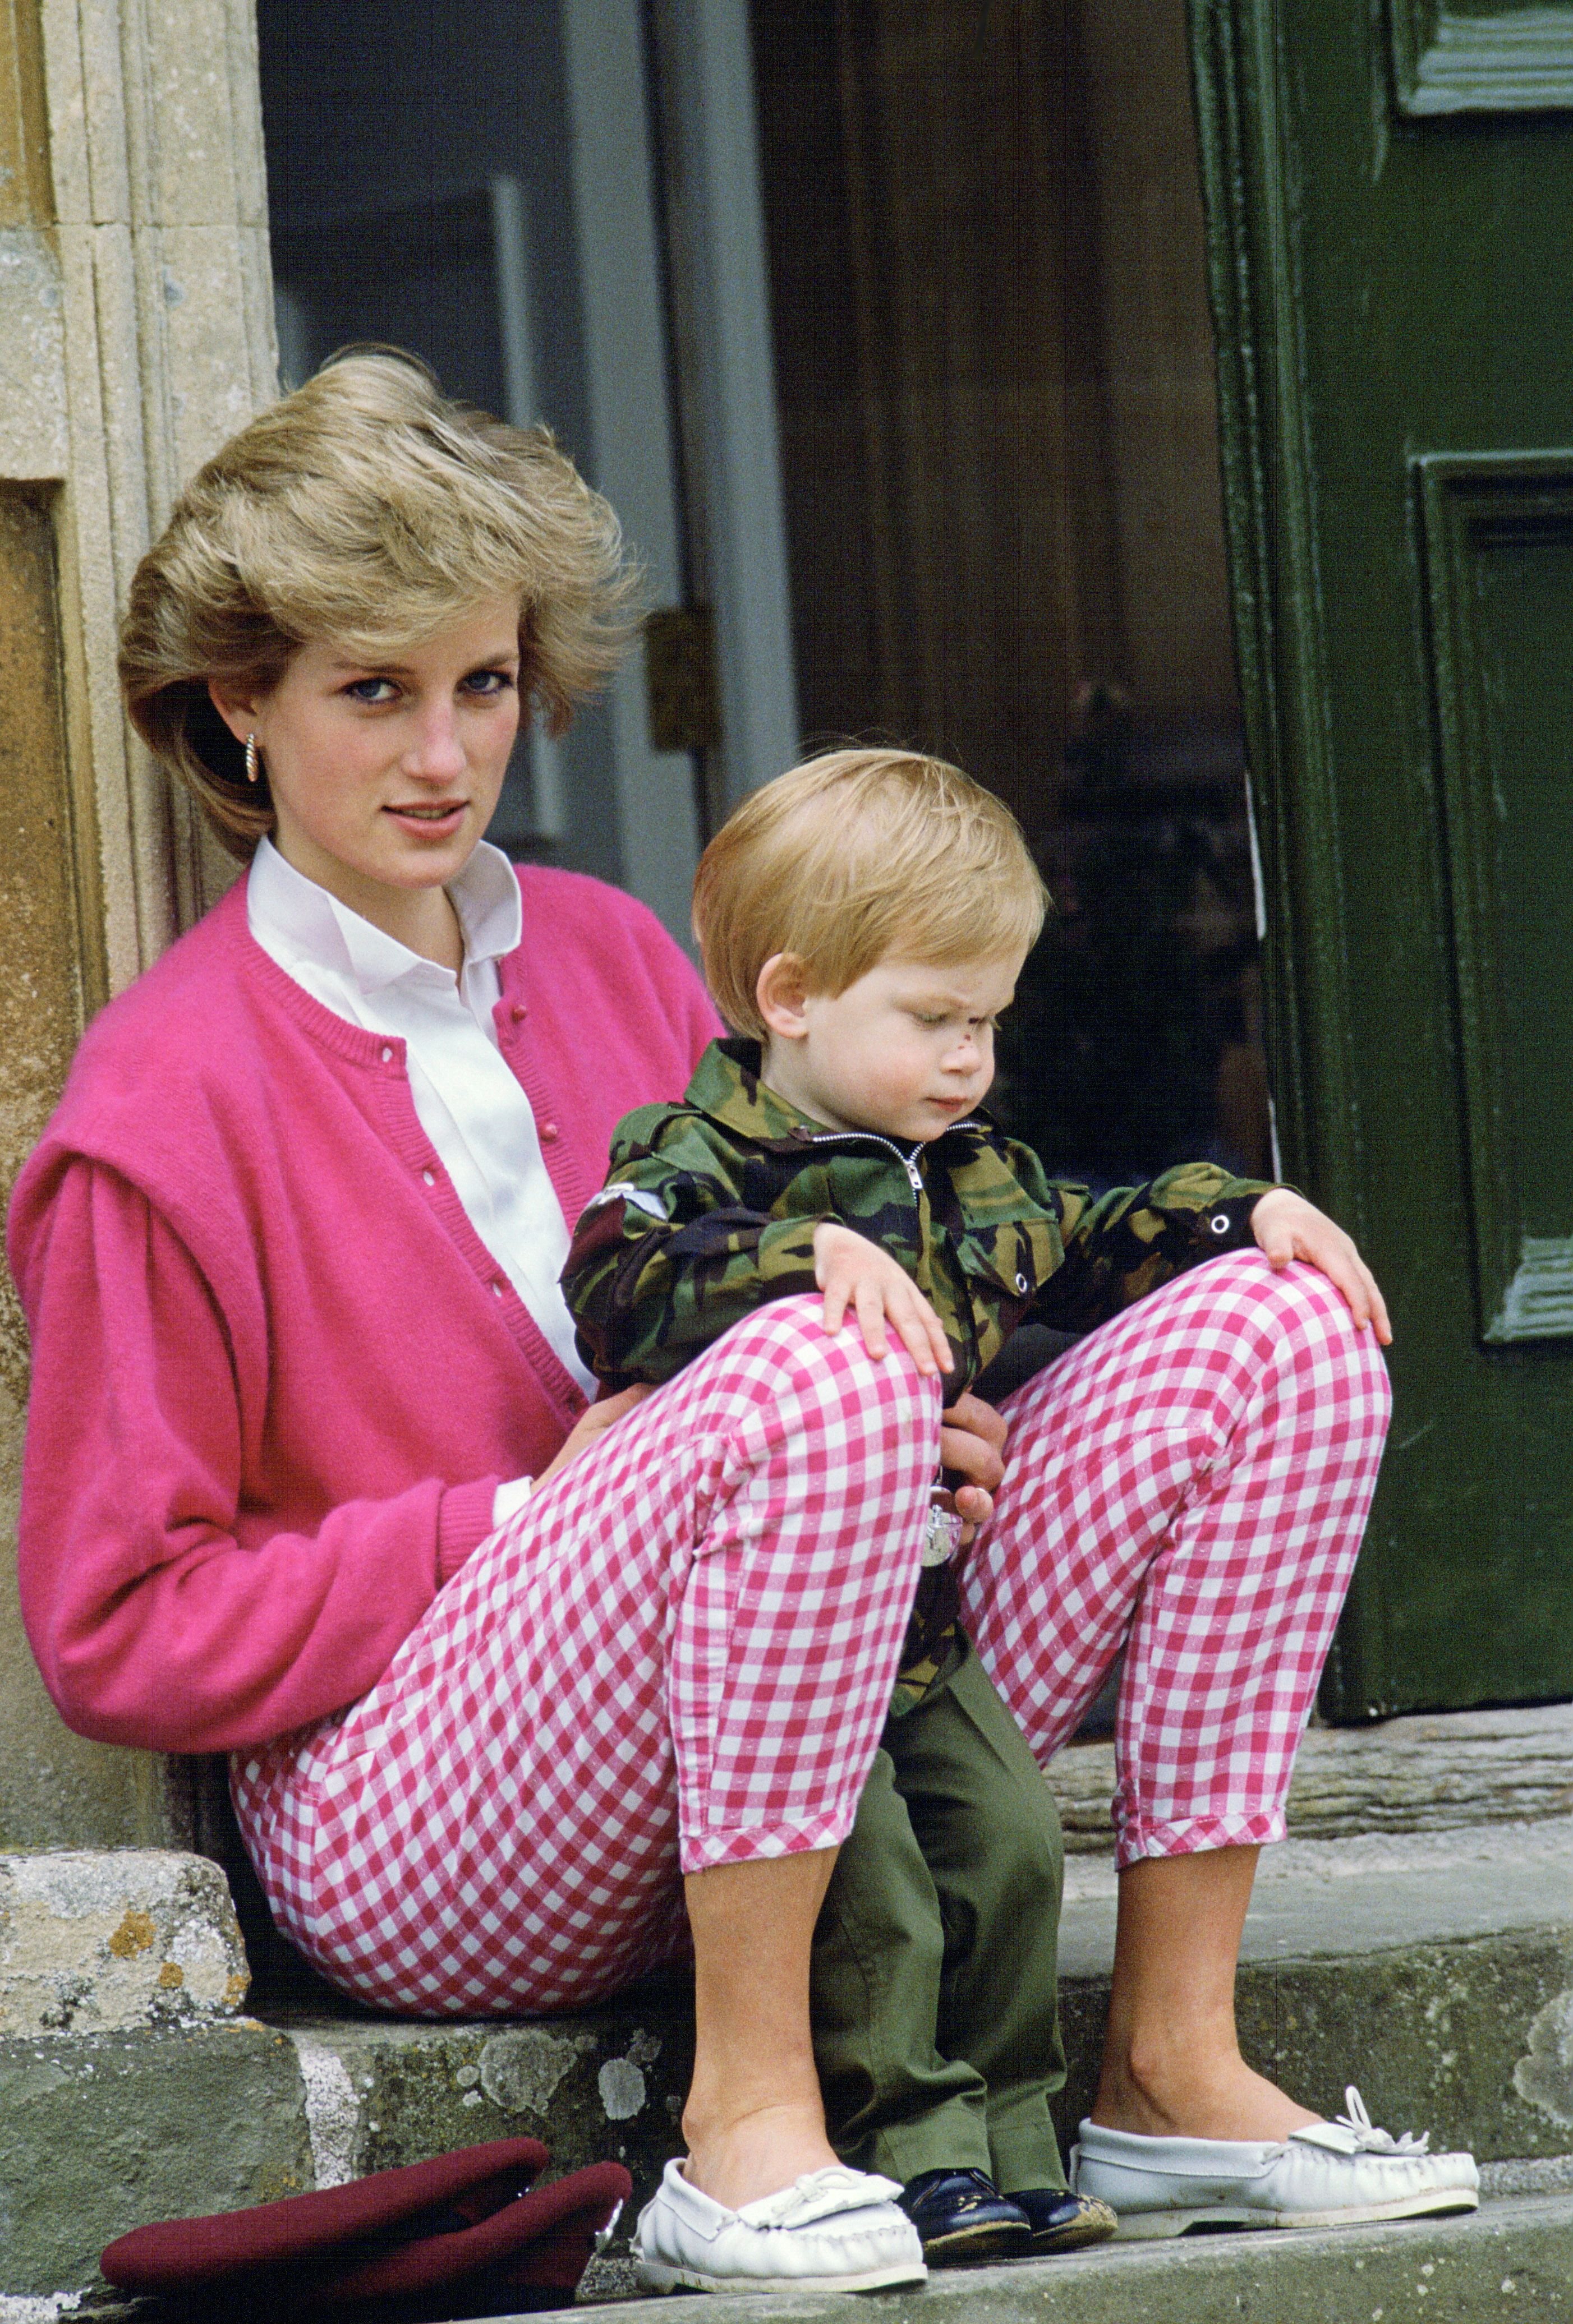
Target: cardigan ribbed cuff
column 463, row 1523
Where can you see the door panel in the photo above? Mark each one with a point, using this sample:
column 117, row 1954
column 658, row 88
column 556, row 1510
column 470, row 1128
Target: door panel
column 1498, row 537
column 1392, row 286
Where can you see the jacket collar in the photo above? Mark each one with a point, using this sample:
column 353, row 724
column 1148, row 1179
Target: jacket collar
column 728, row 1088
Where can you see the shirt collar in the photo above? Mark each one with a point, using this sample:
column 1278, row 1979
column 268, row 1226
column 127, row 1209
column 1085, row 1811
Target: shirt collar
column 285, row 904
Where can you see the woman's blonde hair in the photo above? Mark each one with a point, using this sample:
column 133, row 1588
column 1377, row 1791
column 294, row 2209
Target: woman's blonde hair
column 853, row 855
column 368, row 510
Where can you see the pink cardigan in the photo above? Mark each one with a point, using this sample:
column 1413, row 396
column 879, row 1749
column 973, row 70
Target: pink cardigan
column 277, row 1375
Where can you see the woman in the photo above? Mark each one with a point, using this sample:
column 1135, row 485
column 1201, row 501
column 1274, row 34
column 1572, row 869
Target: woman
column 310, row 1477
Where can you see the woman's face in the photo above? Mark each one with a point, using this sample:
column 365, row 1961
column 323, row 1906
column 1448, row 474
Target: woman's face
column 385, row 774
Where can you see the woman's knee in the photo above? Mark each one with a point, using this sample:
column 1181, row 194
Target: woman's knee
column 1307, row 1318
column 813, row 1373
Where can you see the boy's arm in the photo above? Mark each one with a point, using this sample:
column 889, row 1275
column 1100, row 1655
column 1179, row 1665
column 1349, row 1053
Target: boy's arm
column 669, row 1255
column 1133, row 1239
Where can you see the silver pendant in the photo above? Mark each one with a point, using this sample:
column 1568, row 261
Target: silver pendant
column 941, row 1536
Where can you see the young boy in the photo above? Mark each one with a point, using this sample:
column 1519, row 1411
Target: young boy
column 863, row 921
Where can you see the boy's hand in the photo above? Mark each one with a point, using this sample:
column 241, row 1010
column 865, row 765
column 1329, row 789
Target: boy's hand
column 853, row 1272
column 972, row 1444
column 1286, row 1226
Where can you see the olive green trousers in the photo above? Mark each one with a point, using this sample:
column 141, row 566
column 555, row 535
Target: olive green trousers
column 932, row 1988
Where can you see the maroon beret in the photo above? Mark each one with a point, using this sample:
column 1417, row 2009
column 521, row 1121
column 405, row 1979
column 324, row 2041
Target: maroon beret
column 460, row 2232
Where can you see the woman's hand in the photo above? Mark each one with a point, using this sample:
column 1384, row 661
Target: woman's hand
column 853, row 1272
column 972, row 1443
column 592, row 1424
column 1286, row 1226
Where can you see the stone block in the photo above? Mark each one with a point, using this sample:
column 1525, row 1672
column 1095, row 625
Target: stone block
column 101, row 1941
column 103, row 2132
column 604, row 2086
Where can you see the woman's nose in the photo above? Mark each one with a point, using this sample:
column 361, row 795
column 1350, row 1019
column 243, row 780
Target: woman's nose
column 437, row 751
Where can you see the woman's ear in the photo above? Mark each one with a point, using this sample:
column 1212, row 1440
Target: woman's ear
column 238, row 711
column 780, row 994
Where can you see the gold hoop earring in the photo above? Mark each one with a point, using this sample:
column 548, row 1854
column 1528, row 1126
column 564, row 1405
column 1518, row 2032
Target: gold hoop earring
column 253, row 762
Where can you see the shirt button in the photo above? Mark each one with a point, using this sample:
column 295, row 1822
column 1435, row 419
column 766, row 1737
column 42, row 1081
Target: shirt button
column 520, row 1010
column 387, row 1056
column 548, row 1133
column 429, row 1176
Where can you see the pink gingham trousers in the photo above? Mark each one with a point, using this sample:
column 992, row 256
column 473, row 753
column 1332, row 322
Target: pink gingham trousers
column 678, row 1654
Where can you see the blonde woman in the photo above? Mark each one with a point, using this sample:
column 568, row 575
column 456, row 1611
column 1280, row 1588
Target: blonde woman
column 513, row 1689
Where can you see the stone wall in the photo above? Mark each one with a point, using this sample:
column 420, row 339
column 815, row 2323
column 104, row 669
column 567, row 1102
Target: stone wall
column 135, row 335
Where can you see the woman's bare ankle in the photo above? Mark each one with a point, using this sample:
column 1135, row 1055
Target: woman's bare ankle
column 738, row 2160
column 1170, row 2097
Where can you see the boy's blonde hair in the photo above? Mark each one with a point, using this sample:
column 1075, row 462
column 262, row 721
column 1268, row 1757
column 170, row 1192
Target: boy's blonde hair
column 853, row 855
column 370, row 511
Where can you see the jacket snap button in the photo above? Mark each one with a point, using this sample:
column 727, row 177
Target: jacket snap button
column 387, row 1056
column 548, row 1133
column 429, row 1176
column 1022, row 1285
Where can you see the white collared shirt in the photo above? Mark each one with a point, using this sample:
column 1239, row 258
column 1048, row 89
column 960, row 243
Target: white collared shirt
column 466, row 1097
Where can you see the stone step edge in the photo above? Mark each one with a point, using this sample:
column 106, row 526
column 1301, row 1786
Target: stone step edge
column 1512, row 2259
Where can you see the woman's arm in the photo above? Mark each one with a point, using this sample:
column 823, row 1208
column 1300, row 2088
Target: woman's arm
column 152, row 1622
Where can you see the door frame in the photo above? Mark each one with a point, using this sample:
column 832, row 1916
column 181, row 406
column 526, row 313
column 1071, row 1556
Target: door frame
column 1239, row 73
column 1269, row 478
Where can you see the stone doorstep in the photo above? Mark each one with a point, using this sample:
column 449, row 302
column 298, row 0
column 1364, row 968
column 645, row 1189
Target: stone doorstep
column 1438, row 1973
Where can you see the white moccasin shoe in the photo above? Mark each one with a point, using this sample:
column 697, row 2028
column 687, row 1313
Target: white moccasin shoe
column 1330, row 2174
column 831, row 2230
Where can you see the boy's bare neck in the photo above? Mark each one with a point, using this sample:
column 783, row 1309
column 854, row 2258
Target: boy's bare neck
column 781, row 1074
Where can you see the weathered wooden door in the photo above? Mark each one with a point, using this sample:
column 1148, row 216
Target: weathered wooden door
column 1390, row 198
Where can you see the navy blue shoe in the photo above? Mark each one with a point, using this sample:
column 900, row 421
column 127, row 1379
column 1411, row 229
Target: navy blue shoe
column 962, row 2218
column 1062, row 2222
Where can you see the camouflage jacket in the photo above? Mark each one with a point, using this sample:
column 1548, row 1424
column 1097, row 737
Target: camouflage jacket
column 710, row 1209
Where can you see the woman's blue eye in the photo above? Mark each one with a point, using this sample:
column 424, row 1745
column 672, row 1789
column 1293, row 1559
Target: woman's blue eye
column 488, row 682
column 366, row 689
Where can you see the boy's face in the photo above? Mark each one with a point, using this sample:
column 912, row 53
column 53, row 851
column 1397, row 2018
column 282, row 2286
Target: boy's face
column 906, row 1051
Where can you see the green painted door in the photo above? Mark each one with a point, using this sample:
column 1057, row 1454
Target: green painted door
column 1390, row 198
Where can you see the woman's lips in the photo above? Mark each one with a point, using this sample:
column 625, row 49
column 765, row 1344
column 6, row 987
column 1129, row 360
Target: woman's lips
column 439, row 822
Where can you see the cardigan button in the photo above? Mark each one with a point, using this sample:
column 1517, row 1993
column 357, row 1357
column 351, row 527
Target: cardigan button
column 498, row 1287
column 430, row 1177
column 387, row 1056
column 519, row 1012
column 548, row 1133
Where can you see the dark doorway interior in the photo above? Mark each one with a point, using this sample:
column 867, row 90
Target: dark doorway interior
column 996, row 379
